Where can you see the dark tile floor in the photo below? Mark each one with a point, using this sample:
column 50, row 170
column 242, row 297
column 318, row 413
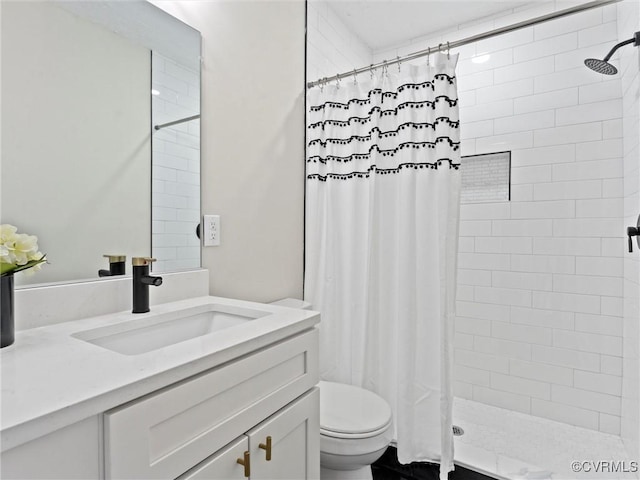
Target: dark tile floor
column 388, row 468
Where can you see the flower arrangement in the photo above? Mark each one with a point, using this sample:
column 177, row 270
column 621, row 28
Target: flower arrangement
column 18, row 251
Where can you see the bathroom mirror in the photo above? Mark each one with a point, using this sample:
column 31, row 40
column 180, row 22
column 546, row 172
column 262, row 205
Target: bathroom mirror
column 84, row 83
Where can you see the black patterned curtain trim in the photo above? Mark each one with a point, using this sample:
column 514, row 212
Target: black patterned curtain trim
column 385, row 171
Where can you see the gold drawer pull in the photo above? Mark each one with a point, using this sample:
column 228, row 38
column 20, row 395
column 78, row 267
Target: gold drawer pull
column 267, row 447
column 246, row 462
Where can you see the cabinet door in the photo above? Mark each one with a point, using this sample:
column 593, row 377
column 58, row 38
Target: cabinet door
column 294, row 434
column 223, row 465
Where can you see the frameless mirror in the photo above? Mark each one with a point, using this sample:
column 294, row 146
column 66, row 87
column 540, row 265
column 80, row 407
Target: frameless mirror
column 84, row 84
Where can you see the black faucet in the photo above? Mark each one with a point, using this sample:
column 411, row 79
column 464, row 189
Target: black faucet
column 116, row 266
column 141, row 282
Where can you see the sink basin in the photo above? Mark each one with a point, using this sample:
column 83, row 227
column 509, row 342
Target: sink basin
column 153, row 332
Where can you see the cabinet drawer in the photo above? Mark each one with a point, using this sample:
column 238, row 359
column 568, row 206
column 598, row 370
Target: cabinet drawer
column 164, row 434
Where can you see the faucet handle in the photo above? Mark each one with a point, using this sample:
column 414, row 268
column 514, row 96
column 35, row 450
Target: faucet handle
column 116, row 266
column 142, row 261
column 115, row 258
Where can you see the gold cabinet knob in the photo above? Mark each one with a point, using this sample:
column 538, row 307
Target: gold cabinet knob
column 246, row 462
column 267, row 447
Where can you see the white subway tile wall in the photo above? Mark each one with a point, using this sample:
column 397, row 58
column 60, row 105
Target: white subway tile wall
column 543, row 274
column 175, row 166
column 540, row 280
column 553, row 344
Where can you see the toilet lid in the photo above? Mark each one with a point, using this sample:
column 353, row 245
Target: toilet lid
column 348, row 409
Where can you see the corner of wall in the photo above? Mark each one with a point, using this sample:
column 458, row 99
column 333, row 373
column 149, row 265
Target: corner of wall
column 332, row 47
column 628, row 22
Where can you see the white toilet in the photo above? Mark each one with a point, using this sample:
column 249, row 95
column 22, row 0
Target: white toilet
column 355, row 426
column 355, row 430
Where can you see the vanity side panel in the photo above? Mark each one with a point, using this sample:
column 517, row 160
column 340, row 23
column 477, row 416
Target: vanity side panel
column 73, row 452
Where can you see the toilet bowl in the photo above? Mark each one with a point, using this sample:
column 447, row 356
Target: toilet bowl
column 355, row 430
column 355, row 425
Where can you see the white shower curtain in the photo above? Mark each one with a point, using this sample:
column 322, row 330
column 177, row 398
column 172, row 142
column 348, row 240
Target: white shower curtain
column 383, row 189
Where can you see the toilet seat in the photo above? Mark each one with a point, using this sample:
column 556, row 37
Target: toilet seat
column 350, row 412
column 354, row 436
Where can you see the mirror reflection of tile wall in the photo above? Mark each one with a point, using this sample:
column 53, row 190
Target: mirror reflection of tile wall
column 175, row 166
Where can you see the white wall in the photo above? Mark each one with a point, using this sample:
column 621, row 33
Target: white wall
column 75, row 139
column 252, row 142
column 629, row 22
column 175, row 172
column 539, row 327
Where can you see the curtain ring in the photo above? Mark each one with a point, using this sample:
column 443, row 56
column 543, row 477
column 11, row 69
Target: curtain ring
column 338, row 82
column 428, row 56
column 371, row 71
column 355, row 79
column 448, row 51
column 440, row 48
column 385, row 68
column 399, row 63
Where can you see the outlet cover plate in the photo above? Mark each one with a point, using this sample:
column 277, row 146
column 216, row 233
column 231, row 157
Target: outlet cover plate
column 211, row 237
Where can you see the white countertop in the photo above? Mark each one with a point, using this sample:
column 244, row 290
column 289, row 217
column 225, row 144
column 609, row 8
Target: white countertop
column 51, row 379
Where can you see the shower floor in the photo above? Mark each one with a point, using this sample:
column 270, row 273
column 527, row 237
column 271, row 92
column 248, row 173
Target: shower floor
column 512, row 445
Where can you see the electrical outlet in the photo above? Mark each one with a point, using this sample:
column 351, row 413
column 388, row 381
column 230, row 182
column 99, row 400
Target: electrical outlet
column 211, row 237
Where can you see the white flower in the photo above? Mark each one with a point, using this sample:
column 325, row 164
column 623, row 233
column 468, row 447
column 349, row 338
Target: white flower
column 18, row 250
column 25, row 248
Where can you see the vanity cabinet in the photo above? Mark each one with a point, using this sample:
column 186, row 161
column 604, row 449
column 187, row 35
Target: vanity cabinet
column 204, row 422
column 197, row 428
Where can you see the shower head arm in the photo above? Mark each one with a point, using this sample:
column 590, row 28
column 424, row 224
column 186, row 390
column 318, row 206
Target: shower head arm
column 635, row 40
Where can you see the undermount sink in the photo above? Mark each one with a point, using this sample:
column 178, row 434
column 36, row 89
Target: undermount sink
column 136, row 336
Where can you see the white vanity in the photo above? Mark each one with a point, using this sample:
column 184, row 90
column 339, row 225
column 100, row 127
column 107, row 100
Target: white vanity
column 205, row 388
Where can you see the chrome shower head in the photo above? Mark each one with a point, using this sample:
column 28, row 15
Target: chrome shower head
column 600, row 66
column 603, row 66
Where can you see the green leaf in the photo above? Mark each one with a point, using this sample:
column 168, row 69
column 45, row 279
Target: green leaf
column 7, row 268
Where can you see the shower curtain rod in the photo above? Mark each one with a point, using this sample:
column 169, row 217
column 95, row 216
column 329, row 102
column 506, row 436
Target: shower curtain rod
column 176, row 122
column 474, row 38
